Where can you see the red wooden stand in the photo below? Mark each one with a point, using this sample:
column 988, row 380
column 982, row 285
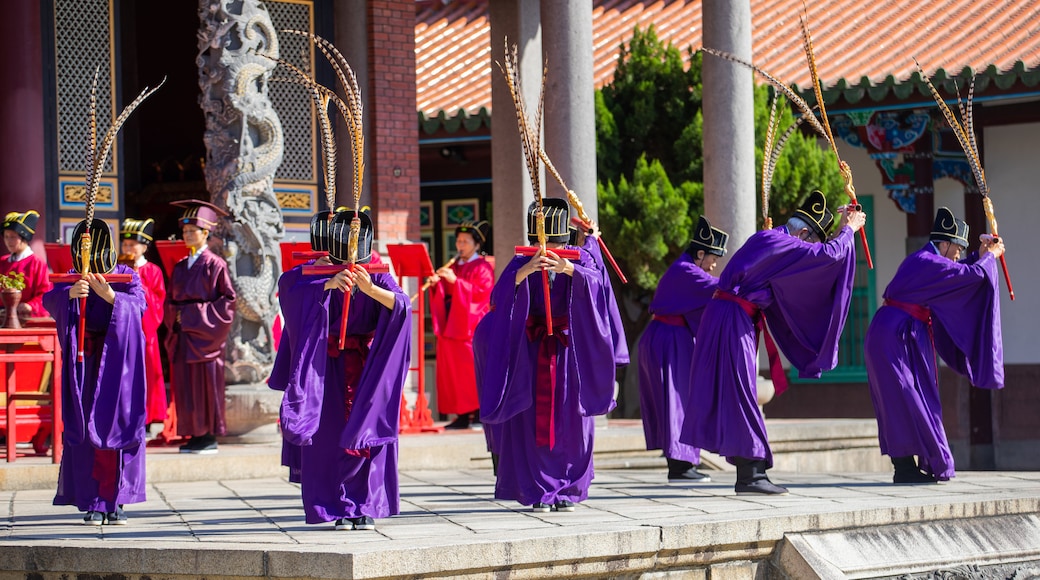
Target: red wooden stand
column 20, row 346
column 414, row 261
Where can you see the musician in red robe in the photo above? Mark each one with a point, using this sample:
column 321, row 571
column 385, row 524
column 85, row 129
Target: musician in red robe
column 19, row 229
column 136, row 236
column 459, row 297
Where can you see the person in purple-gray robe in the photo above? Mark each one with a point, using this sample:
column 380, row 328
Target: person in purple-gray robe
column 341, row 408
column 666, row 349
column 103, row 397
column 540, row 392
column 935, row 304
column 200, row 307
column 800, row 284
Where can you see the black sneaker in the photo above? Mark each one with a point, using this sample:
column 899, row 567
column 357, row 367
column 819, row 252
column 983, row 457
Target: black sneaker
column 759, row 487
column 563, row 505
column 186, row 448
column 116, row 518
column 691, row 476
column 364, row 523
column 205, row 445
column 540, row 507
column 94, row 518
column 345, row 524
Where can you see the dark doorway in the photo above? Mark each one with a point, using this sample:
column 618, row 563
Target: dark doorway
column 163, row 150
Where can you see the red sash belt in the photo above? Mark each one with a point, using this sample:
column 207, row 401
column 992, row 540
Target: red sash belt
column 776, row 368
column 545, row 380
column 671, row 319
column 923, row 314
column 355, row 351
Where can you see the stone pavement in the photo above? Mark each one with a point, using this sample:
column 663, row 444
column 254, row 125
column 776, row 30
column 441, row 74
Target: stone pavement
column 634, row 524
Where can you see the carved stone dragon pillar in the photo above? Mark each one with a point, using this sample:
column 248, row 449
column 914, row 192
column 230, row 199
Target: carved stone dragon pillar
column 243, row 150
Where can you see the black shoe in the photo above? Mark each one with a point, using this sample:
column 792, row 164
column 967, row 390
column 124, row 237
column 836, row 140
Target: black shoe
column 364, row 523
column 691, row 476
column 345, row 524
column 759, row 487
column 460, row 422
column 563, row 505
column 540, row 507
column 907, row 472
column 116, row 518
column 204, row 445
column 186, row 448
column 752, row 478
column 94, row 518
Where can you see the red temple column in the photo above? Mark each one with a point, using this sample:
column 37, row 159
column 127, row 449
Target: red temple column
column 21, row 113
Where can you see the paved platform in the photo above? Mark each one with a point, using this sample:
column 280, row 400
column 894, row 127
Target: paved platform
column 634, row 525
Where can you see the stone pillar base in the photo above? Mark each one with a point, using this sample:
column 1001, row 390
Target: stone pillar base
column 252, row 414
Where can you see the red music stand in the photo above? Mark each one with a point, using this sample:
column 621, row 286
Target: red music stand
column 294, row 254
column 170, row 252
column 59, row 257
column 413, row 260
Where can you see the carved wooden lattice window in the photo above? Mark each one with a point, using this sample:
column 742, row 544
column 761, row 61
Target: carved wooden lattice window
column 293, row 101
column 83, row 41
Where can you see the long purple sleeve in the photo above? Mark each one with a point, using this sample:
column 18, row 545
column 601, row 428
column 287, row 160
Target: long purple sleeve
column 900, row 349
column 617, row 327
column 804, row 290
column 104, row 396
column 310, row 312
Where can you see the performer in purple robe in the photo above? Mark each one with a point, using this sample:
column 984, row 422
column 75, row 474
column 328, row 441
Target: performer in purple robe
column 200, row 306
column 540, row 393
column 801, row 285
column 341, row 408
column 102, row 466
column 935, row 304
column 19, row 229
column 666, row 349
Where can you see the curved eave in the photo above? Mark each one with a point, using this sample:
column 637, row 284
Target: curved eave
column 452, row 123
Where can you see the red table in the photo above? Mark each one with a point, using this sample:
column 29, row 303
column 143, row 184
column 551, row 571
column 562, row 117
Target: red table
column 13, row 343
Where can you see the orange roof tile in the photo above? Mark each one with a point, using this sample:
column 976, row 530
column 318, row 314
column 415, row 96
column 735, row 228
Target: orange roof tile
column 853, row 39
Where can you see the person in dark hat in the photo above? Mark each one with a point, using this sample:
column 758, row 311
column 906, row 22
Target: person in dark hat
column 103, row 409
column 935, row 304
column 200, row 306
column 460, row 295
column 666, row 349
column 135, row 236
column 19, row 229
column 539, row 411
column 341, row 409
column 799, row 282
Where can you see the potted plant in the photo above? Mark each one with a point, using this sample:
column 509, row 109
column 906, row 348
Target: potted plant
column 11, row 286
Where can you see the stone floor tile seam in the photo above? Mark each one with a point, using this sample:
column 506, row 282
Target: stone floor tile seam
column 266, row 518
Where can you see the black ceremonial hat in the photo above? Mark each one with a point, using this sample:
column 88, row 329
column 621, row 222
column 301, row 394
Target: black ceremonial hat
column 708, row 238
column 814, row 212
column 480, row 231
column 949, row 229
column 103, row 255
column 201, row 214
column 137, row 230
column 320, row 230
column 557, row 220
column 23, row 224
column 339, row 237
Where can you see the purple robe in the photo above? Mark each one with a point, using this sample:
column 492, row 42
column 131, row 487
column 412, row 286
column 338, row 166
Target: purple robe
column 103, row 398
column 530, row 472
column 340, row 412
column 617, row 327
column 200, row 306
column 666, row 352
column 964, row 303
column 804, row 290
